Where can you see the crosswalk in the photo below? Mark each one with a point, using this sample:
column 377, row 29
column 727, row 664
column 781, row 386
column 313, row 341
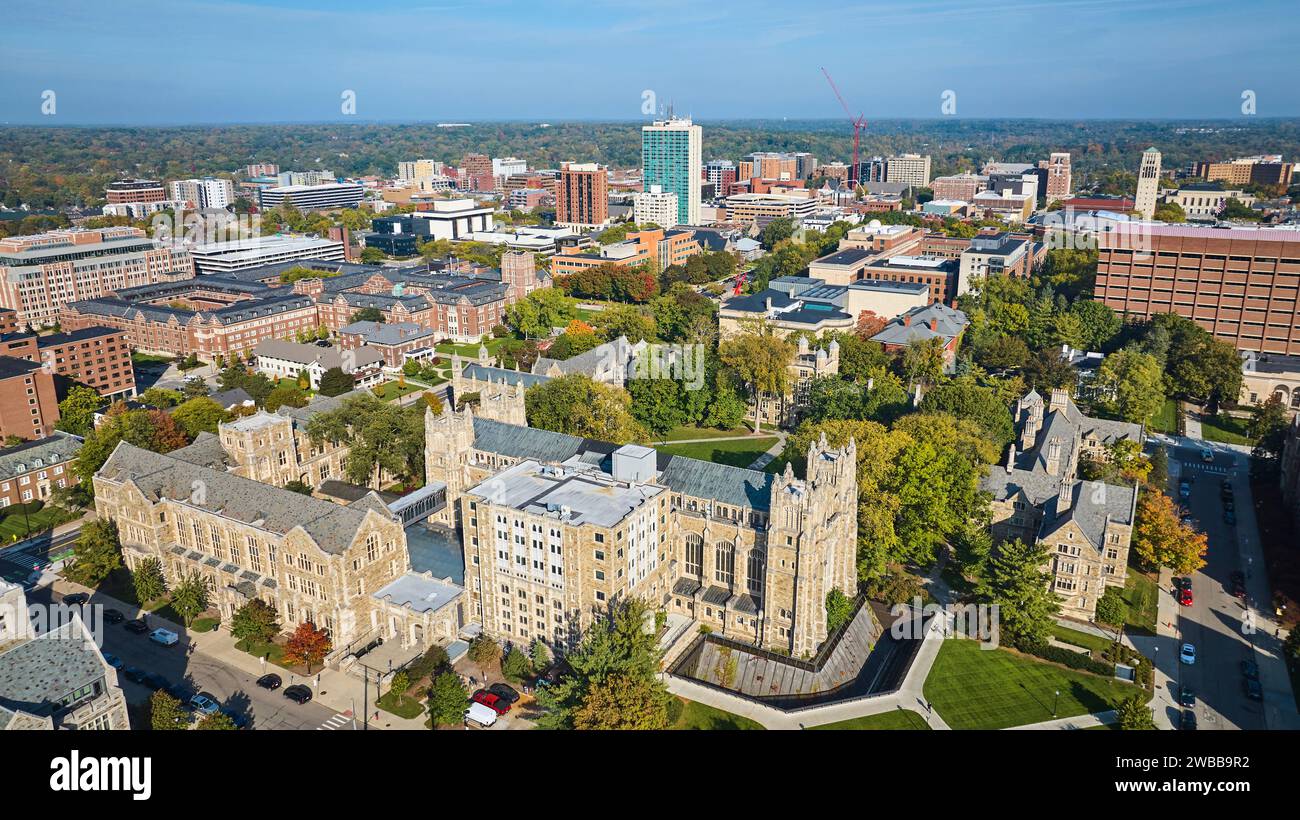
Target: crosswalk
column 1210, row 468
column 335, row 722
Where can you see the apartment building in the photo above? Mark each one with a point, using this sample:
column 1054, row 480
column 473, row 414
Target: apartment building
column 582, row 195
column 29, row 408
column 670, row 158
column 908, row 169
column 1265, row 170
column 1239, row 283
column 326, row 196
column 98, row 357
column 1059, row 184
column 208, row 192
column 961, row 187
column 394, row 343
column 40, row 274
column 655, row 206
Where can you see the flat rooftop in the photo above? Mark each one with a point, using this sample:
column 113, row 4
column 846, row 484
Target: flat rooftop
column 590, row 496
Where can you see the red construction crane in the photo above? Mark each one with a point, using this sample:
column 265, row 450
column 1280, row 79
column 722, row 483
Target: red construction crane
column 859, row 122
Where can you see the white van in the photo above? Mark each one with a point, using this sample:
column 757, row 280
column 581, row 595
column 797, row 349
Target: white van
column 480, row 715
column 164, row 636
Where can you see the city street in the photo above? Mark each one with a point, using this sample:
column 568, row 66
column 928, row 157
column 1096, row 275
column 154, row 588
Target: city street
column 1213, row 622
column 233, row 688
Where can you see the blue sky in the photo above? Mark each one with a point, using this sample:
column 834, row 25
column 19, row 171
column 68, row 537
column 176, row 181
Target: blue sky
column 172, row 61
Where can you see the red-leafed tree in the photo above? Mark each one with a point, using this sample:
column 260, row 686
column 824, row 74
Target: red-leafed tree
column 869, row 324
column 307, row 646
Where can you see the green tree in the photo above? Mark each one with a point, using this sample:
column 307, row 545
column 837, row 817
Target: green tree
column 533, row 316
column 285, row 394
column 516, row 666
column 299, row 487
column 839, row 608
column 190, row 596
column 160, row 397
column 447, row 700
column 1111, row 608
column 368, row 314
column 399, row 683
column 199, row 415
column 1134, row 714
column 657, row 404
column 166, row 713
column 335, row 382
column 963, row 398
column 255, row 622
column 217, row 722
column 623, row 702
column 1017, row 582
column 577, row 405
column 77, row 410
column 381, row 437
column 485, row 652
column 1268, row 427
column 1132, row 384
column 761, row 359
column 923, row 360
column 148, row 580
column 97, row 553
column 540, row 656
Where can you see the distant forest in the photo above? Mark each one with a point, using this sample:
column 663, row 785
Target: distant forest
column 59, row 167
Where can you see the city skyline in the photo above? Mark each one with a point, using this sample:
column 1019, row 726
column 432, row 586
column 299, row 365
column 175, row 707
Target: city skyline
column 1109, row 66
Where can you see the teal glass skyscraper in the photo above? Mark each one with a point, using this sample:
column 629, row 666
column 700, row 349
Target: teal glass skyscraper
column 670, row 158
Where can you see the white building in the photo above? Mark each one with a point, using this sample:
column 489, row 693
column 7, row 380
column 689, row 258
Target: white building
column 909, row 169
column 223, row 257
column 208, row 192
column 328, row 196
column 277, row 359
column 418, row 169
column 453, row 219
column 505, row 166
column 655, row 205
column 1144, row 204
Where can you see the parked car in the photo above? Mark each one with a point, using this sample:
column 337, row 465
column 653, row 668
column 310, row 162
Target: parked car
column 1207, row 455
column 1185, row 597
column 479, row 715
column 113, row 616
column 164, row 636
column 76, row 599
column 298, row 693
column 1185, row 490
column 1188, row 720
column 493, row 702
column 1229, row 506
column 1187, row 698
column 156, row 681
column 271, row 681
column 504, row 691
column 112, row 660
column 1252, row 689
column 204, row 704
column 1249, row 670
column 1229, row 517
column 1188, row 654
column 1237, row 582
column 137, row 626
column 133, row 674
column 1181, row 584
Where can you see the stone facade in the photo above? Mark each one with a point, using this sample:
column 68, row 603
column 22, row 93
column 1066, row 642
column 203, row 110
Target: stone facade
column 1037, row 496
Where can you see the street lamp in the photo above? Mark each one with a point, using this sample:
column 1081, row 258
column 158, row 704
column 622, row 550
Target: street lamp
column 1056, row 702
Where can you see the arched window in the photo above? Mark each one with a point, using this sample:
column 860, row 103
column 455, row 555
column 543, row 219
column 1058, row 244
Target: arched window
column 694, row 555
column 724, row 554
column 756, row 573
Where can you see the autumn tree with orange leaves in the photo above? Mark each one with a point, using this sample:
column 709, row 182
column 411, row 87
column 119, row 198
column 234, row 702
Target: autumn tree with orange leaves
column 1161, row 539
column 307, row 646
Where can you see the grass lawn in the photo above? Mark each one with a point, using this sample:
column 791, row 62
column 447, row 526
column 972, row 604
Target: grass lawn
column 390, row 390
column 1087, row 640
column 204, row 624
column 689, row 432
column 1225, row 429
column 149, row 358
column 469, row 350
column 740, row 453
column 22, row 525
column 273, row 652
column 897, row 719
column 1142, row 597
column 1166, row 418
column 404, row 706
column 974, row 688
column 695, row 715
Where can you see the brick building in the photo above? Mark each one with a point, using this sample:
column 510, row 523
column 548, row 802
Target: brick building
column 29, row 408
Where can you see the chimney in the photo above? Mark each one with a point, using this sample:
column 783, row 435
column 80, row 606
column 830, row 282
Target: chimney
column 907, row 320
column 1064, row 496
column 1011, row 457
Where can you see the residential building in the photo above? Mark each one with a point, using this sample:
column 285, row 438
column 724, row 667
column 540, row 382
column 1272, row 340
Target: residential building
column 396, row 344
column 40, row 274
column 1087, row 526
column 655, row 206
column 1148, row 184
column 909, row 169
column 961, row 187
column 208, row 192
column 1265, row 170
column 33, row 470
column 670, row 158
column 29, row 408
column 721, row 173
column 287, row 360
column 326, row 196
column 919, row 325
column 508, row 166
column 582, row 196
column 1239, row 283
column 98, row 357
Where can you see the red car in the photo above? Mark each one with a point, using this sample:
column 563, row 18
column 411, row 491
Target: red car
column 491, row 701
column 1185, row 597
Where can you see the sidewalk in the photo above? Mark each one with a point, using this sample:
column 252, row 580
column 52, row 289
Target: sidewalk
column 334, row 689
column 1076, row 722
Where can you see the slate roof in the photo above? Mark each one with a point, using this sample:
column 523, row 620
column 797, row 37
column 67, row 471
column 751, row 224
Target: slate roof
column 503, row 374
column 380, row 333
column 1092, row 504
column 950, row 322
column 305, row 354
column 57, row 448
column 37, row 674
column 331, row 526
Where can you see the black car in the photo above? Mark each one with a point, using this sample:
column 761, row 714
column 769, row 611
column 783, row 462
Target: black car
column 136, row 625
column 1188, row 720
column 112, row 616
column 298, row 693
column 179, row 691
column 1238, row 581
column 1228, row 505
column 1229, row 517
column 76, row 599
column 133, row 674
column 505, row 692
column 271, row 682
column 1252, row 689
column 1226, row 485
column 1249, row 670
column 1187, row 698
column 1181, row 584
column 155, row 681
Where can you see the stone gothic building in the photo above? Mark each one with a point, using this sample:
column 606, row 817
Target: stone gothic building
column 1038, row 496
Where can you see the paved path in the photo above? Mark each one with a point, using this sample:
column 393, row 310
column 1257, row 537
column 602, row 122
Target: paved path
column 772, row 454
column 1076, row 722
